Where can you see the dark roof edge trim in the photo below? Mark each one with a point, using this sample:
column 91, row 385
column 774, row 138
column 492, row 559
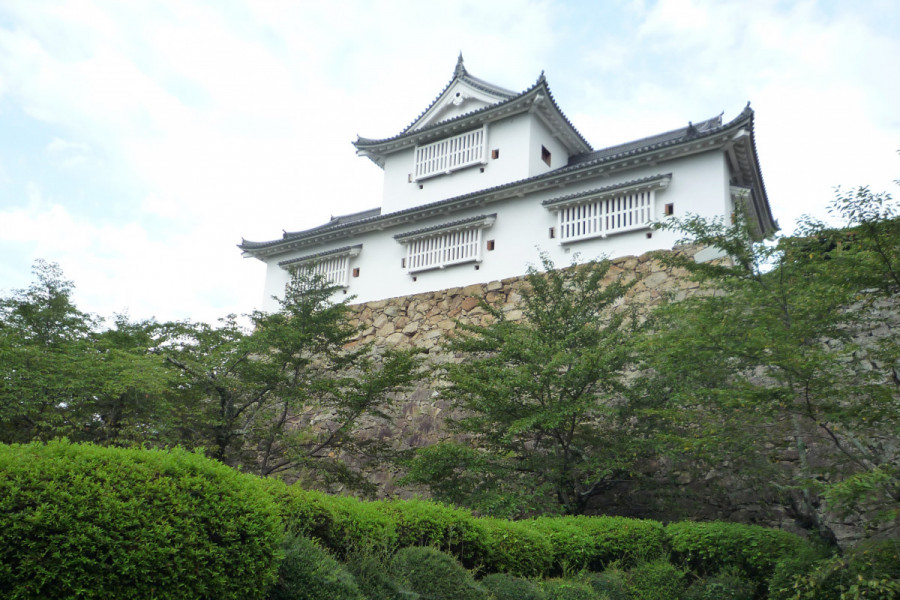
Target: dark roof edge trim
column 481, row 221
column 655, row 182
column 345, row 251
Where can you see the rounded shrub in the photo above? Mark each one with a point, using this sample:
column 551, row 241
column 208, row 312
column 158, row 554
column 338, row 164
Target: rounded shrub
column 374, row 578
column 435, row 575
column 611, row 584
column 726, row 585
column 83, row 521
column 657, row 579
column 709, row 547
column 309, row 573
column 568, row 589
column 503, row 586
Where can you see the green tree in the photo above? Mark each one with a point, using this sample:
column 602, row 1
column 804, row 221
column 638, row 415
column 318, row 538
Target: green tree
column 542, row 425
column 61, row 375
column 788, row 351
column 294, row 391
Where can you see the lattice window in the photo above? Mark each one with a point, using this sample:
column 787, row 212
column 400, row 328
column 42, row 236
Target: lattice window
column 439, row 251
column 445, row 245
column 335, row 271
column 333, row 266
column 601, row 217
column 450, row 154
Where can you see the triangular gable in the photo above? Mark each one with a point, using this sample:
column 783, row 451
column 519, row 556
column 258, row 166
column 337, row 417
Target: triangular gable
column 464, row 94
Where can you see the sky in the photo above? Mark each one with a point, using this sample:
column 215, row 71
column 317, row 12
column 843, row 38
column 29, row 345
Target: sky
column 141, row 141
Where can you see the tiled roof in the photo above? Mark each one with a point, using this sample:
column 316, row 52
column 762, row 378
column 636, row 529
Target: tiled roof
column 451, row 224
column 607, row 189
column 692, row 130
column 477, row 115
column 460, row 73
column 670, row 140
column 308, row 257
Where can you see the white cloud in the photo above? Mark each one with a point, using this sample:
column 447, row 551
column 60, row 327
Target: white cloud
column 230, row 120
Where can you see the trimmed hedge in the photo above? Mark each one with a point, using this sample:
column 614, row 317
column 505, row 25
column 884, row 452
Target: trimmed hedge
column 594, row 542
column 83, row 521
column 340, row 523
column 657, row 579
column 567, row 589
column 425, row 523
column 707, row 548
column 515, row 547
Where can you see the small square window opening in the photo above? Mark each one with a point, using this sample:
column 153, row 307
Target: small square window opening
column 545, row 155
column 669, row 210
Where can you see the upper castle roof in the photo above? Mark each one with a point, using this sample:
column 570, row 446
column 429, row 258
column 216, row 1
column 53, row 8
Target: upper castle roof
column 735, row 138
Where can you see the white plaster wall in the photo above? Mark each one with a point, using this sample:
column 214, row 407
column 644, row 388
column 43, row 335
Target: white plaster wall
column 512, row 136
column 540, row 136
column 699, row 185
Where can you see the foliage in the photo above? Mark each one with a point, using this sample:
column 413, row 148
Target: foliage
column 581, row 542
column 783, row 345
column 709, row 547
column 371, row 568
column 657, row 579
column 611, row 583
column 309, row 573
column 869, row 570
column 568, row 589
column 537, row 397
column 504, row 586
column 425, row 523
column 435, row 575
column 261, row 389
column 91, row 522
column 341, row 524
column 728, row 584
column 60, row 375
column 515, row 547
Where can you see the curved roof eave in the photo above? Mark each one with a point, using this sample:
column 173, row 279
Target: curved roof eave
column 673, row 144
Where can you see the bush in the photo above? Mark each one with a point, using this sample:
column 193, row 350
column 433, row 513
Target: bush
column 372, row 573
column 509, row 587
column 581, row 542
column 707, row 548
column 871, row 570
column 425, row 523
column 788, row 571
column 727, row 585
column 435, row 575
column 309, row 573
column 568, row 589
column 610, row 584
column 339, row 523
column 515, row 547
column 656, row 580
column 90, row 522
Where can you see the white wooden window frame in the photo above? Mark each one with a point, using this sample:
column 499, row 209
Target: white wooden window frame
column 629, row 208
column 444, row 247
column 334, row 268
column 450, row 154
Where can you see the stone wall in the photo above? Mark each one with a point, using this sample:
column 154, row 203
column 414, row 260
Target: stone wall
column 425, row 321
